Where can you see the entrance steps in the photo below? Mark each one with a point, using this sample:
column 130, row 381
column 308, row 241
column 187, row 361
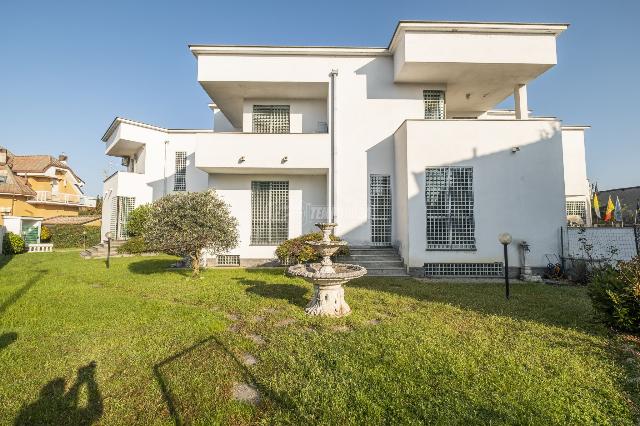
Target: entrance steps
column 99, row 251
column 379, row 261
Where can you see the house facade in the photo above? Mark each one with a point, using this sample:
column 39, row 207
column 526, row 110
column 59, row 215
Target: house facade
column 36, row 187
column 399, row 145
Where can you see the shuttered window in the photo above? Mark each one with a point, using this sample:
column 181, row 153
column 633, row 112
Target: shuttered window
column 180, row 179
column 434, row 106
column 271, row 118
column 269, row 212
column 449, row 208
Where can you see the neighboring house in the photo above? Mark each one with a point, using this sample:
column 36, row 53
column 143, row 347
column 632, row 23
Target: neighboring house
column 400, row 145
column 35, row 187
column 629, row 201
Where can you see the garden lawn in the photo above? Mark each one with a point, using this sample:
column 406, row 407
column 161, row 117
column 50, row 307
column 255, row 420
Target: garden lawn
column 140, row 343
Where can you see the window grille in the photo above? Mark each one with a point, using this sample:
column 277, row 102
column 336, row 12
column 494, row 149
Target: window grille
column 449, row 208
column 271, row 118
column 120, row 209
column 434, row 105
column 380, row 208
column 494, row 269
column 269, row 212
column 577, row 208
column 180, row 179
column 228, row 260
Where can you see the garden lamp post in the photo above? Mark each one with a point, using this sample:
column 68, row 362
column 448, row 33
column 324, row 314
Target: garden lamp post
column 505, row 239
column 108, row 236
column 84, row 239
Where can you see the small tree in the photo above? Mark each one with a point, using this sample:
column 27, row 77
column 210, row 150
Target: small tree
column 185, row 224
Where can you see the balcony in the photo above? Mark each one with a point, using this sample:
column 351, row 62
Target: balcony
column 251, row 153
column 48, row 197
column 128, row 184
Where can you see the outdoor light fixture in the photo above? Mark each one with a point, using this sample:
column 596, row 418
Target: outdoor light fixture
column 108, row 236
column 285, row 159
column 506, row 239
column 241, row 159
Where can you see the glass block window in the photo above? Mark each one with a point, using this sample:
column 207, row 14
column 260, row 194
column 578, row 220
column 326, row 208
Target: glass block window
column 434, row 104
column 180, row 179
column 271, row 118
column 449, row 208
column 577, row 208
column 269, row 212
column 380, row 209
column 494, row 269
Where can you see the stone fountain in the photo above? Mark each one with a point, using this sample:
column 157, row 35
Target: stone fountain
column 327, row 277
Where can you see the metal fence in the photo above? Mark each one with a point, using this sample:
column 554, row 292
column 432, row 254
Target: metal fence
column 598, row 244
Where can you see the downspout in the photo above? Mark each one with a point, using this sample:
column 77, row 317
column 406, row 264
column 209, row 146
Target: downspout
column 332, row 111
column 164, row 180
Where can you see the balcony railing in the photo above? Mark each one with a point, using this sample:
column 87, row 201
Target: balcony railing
column 61, row 198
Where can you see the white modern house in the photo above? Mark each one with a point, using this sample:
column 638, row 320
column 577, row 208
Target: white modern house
column 400, row 145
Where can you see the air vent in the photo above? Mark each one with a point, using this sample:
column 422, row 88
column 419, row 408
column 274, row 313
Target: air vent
column 228, row 260
column 494, row 269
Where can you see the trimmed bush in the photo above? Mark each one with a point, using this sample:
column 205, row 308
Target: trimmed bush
column 72, row 236
column 615, row 294
column 137, row 220
column 296, row 251
column 13, row 244
column 45, row 234
column 134, row 245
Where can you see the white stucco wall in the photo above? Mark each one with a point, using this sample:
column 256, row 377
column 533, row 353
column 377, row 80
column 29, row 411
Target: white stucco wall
column 304, row 113
column 307, row 200
column 521, row 193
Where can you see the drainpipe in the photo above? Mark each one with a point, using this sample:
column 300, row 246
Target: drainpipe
column 332, row 111
column 164, row 180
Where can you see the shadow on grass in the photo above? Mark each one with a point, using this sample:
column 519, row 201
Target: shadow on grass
column 171, row 400
column 565, row 307
column 22, row 290
column 57, row 407
column 156, row 266
column 4, row 259
column 7, row 338
column 288, row 292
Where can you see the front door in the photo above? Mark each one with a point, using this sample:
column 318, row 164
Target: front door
column 380, row 209
column 120, row 209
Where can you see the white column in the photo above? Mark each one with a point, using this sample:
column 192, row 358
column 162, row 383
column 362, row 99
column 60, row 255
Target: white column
column 520, row 97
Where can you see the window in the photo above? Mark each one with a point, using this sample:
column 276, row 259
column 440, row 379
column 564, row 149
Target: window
column 271, row 118
column 433, row 104
column 269, row 212
column 180, row 180
column 449, row 208
column 120, row 209
column 577, row 208
column 380, row 208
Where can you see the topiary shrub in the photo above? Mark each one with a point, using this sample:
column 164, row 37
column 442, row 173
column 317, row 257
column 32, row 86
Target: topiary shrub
column 137, row 220
column 296, row 251
column 74, row 236
column 615, row 295
column 13, row 244
column 45, row 234
column 134, row 245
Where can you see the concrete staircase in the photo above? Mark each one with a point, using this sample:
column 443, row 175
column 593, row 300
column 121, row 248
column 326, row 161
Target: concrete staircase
column 99, row 251
column 379, row 261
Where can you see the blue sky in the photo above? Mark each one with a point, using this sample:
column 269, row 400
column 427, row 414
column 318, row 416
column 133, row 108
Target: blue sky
column 67, row 68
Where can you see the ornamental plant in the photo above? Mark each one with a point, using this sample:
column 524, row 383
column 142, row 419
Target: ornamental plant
column 136, row 222
column 13, row 244
column 45, row 234
column 615, row 295
column 295, row 250
column 186, row 224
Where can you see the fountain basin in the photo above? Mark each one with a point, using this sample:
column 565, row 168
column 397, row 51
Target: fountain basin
column 312, row 273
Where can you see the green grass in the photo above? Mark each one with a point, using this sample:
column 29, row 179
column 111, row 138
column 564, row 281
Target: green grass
column 143, row 344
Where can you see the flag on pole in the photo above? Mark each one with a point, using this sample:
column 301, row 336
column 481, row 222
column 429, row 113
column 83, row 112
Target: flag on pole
column 608, row 213
column 617, row 213
column 596, row 205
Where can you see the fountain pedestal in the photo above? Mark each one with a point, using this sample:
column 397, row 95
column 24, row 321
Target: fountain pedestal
column 327, row 277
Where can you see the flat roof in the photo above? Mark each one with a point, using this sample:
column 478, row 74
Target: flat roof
column 403, row 25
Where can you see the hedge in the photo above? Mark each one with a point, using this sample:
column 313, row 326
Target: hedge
column 71, row 236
